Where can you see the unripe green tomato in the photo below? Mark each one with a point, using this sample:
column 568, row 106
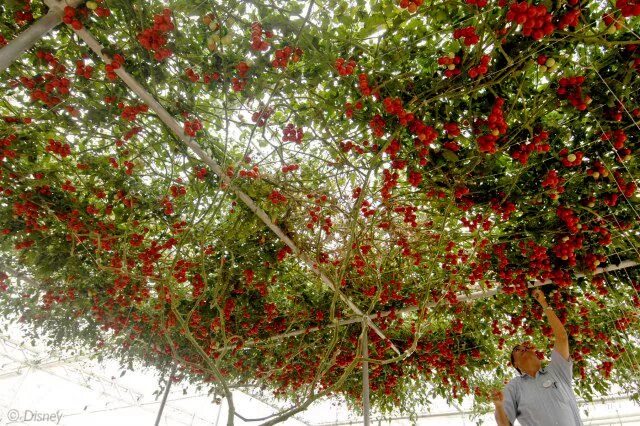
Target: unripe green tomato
column 543, row 68
column 92, row 5
column 226, row 39
column 550, row 62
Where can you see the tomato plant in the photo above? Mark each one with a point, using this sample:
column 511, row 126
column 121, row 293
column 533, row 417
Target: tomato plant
column 407, row 154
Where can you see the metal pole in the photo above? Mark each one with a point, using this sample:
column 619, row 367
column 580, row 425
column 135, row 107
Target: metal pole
column 26, row 39
column 219, row 411
column 365, row 372
column 166, row 394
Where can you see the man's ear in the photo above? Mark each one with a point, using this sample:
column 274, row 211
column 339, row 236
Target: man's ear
column 516, row 366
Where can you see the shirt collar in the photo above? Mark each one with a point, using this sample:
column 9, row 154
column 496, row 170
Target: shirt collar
column 541, row 371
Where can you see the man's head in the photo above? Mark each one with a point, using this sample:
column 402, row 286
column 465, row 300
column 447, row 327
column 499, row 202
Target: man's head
column 524, row 358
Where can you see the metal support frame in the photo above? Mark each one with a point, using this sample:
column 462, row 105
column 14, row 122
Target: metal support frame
column 166, row 394
column 365, row 373
column 461, row 297
column 178, row 131
column 29, row 37
column 79, row 376
column 21, row 44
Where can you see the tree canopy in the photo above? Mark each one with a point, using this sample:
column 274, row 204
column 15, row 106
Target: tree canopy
column 382, row 158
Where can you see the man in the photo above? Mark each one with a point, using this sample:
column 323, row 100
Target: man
column 540, row 396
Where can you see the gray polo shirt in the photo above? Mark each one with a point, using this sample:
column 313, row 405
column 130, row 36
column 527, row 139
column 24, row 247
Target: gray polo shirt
column 546, row 399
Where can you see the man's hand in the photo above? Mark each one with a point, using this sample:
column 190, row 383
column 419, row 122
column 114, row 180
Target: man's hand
column 501, row 415
column 561, row 340
column 498, row 398
column 539, row 296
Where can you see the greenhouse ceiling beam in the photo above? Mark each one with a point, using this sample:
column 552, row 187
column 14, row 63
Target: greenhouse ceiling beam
column 32, row 358
column 131, row 395
column 83, row 381
column 29, row 37
column 40, row 361
column 78, row 375
column 177, row 129
column 181, row 416
column 461, row 297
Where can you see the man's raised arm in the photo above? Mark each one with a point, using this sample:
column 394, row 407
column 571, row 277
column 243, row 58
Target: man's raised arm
column 561, row 339
column 500, row 414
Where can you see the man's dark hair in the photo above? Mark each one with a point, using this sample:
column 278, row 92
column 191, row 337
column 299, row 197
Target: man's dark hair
column 513, row 360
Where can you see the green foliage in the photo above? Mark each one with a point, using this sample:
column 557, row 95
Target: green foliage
column 134, row 245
